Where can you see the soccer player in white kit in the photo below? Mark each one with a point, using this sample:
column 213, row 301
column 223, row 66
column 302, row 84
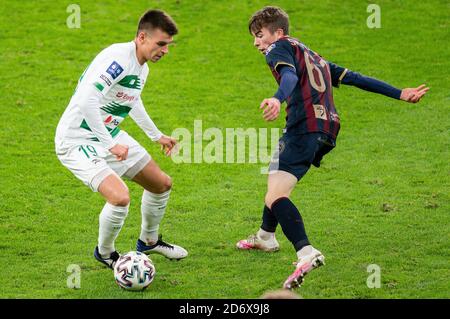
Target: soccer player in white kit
column 91, row 145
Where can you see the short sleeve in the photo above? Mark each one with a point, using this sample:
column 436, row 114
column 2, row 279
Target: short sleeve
column 337, row 73
column 280, row 53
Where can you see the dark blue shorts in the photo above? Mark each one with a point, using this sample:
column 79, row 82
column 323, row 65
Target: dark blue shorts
column 297, row 152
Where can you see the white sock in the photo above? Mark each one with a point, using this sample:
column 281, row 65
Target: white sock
column 304, row 251
column 153, row 208
column 265, row 235
column 111, row 221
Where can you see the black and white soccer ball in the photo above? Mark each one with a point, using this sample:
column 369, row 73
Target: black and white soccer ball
column 134, row 271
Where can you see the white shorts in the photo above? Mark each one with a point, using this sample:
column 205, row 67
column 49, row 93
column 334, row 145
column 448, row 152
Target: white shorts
column 90, row 162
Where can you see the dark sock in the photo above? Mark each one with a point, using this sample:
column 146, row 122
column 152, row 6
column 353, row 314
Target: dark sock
column 291, row 222
column 269, row 221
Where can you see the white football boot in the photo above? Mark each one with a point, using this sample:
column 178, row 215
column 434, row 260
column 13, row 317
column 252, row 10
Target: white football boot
column 170, row 251
column 307, row 262
column 256, row 242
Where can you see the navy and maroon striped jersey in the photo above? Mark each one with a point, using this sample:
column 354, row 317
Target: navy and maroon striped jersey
column 310, row 107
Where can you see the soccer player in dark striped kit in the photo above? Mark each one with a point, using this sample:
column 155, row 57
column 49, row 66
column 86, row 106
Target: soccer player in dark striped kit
column 305, row 82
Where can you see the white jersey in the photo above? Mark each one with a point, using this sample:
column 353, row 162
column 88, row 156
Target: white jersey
column 107, row 92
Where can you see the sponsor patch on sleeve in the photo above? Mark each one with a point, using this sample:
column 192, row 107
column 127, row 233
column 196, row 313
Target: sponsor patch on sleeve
column 114, row 70
column 105, row 79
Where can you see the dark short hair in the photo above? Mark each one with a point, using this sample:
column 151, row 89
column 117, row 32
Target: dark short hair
column 272, row 18
column 157, row 19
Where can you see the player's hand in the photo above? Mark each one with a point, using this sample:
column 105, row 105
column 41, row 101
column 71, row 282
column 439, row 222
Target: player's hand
column 271, row 108
column 120, row 151
column 413, row 95
column 167, row 144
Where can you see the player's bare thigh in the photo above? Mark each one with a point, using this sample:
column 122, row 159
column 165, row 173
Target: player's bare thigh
column 279, row 184
column 153, row 179
column 114, row 190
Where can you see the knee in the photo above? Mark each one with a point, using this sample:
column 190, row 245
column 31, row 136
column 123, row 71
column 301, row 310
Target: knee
column 159, row 186
column 165, row 185
column 270, row 199
column 120, row 199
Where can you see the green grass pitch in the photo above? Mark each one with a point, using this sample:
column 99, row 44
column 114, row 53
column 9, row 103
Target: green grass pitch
column 381, row 197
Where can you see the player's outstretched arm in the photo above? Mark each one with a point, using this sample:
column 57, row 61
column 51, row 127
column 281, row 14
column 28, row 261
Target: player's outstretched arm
column 413, row 95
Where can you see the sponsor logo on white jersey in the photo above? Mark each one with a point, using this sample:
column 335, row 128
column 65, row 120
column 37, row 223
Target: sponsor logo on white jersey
column 124, row 96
